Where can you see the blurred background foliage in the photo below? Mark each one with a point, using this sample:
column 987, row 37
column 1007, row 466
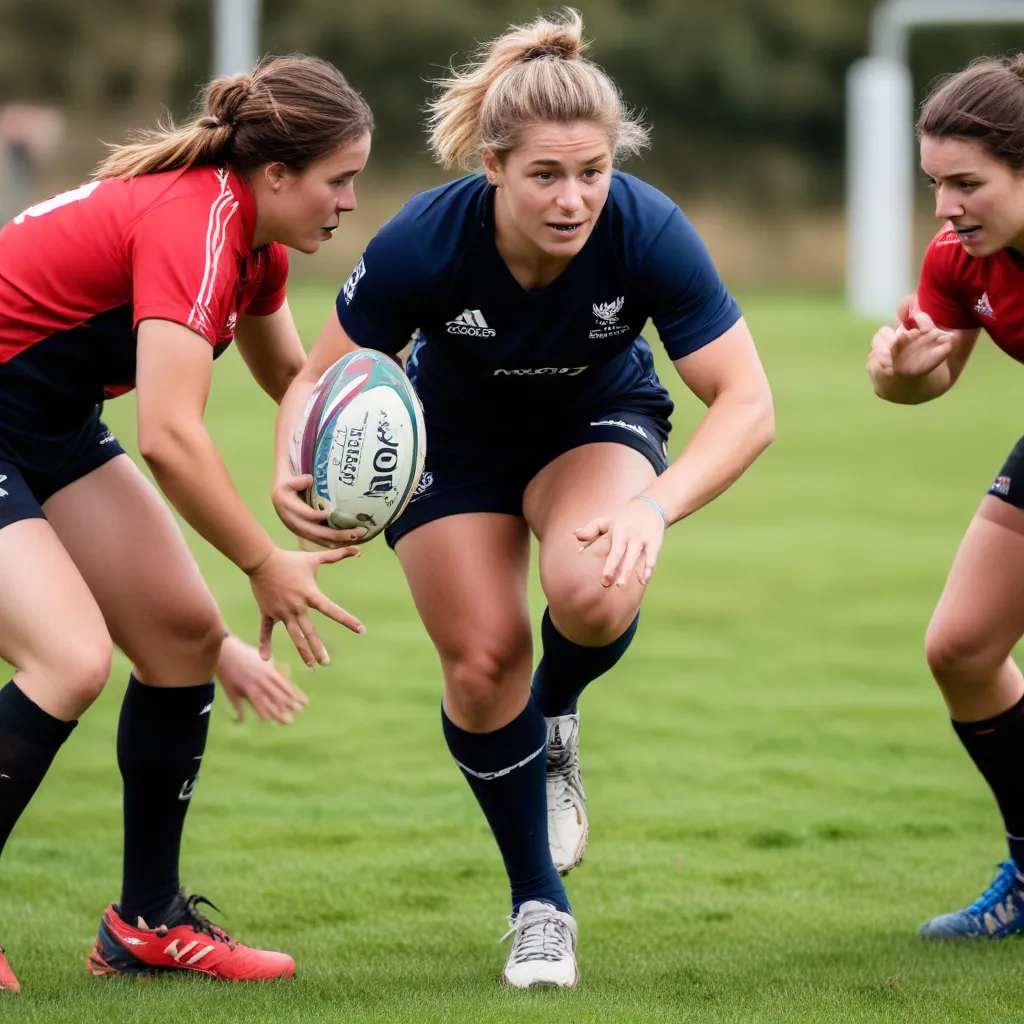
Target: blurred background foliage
column 746, row 96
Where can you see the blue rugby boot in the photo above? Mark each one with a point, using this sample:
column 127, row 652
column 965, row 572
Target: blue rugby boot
column 997, row 912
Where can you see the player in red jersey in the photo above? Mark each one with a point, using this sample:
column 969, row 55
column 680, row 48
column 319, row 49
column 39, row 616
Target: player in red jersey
column 971, row 132
column 141, row 278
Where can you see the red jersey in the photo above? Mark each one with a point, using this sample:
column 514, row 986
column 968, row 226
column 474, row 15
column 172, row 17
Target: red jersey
column 958, row 290
column 79, row 271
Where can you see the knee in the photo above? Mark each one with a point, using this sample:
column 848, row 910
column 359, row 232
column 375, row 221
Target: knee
column 960, row 656
column 591, row 615
column 480, row 679
column 77, row 672
column 196, row 632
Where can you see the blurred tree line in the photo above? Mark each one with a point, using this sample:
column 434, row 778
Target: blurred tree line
column 744, row 95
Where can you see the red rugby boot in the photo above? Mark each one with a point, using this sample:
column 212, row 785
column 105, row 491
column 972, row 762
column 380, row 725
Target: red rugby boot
column 8, row 982
column 186, row 942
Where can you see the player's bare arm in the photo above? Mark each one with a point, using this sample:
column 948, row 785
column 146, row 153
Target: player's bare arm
column 295, row 513
column 917, row 361
column 272, row 350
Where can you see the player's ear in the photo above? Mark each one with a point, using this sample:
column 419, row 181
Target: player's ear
column 492, row 166
column 275, row 173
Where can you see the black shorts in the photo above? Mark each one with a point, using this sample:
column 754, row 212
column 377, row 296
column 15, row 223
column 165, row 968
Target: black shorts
column 469, row 472
column 32, row 472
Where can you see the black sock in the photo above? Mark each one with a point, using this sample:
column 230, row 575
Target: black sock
column 566, row 669
column 996, row 746
column 507, row 771
column 161, row 737
column 29, row 741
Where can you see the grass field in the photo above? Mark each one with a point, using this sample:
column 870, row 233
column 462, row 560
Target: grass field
column 777, row 800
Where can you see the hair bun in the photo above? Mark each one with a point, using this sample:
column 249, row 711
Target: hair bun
column 226, row 95
column 1016, row 64
column 559, row 50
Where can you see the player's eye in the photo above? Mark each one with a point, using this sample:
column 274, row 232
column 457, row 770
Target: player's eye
column 591, row 174
column 544, row 176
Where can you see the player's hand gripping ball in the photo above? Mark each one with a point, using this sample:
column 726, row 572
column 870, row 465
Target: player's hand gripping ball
column 362, row 439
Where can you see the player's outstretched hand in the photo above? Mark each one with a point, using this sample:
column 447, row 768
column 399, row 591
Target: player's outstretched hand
column 284, row 585
column 303, row 520
column 636, row 533
column 913, row 349
column 246, row 677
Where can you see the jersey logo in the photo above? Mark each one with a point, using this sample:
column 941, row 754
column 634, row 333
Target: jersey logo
column 608, row 312
column 350, row 285
column 983, row 307
column 472, row 323
column 1000, row 486
column 3, row 493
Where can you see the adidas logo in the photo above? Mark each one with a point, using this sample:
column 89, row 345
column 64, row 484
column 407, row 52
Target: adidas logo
column 472, row 323
column 983, row 307
column 3, row 493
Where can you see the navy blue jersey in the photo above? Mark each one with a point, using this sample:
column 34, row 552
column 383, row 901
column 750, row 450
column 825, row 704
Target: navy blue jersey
column 485, row 344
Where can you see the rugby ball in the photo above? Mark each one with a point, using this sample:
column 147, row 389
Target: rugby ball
column 361, row 437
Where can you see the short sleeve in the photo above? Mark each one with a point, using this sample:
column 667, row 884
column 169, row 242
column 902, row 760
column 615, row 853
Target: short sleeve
column 184, row 261
column 690, row 305
column 271, row 295
column 380, row 304
column 937, row 292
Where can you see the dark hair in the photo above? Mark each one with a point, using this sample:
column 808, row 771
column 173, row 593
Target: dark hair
column 984, row 102
column 294, row 109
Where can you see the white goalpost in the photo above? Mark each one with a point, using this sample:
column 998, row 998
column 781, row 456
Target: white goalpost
column 880, row 151
column 236, row 35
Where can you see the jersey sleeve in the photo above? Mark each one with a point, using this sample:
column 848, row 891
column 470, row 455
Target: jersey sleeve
column 938, row 293
column 380, row 304
column 690, row 305
column 270, row 298
column 183, row 261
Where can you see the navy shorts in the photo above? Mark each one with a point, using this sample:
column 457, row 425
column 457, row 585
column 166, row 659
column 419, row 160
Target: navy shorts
column 31, row 472
column 467, row 472
column 1009, row 485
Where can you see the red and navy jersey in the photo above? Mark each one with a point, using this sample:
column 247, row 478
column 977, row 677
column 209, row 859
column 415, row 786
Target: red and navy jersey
column 958, row 290
column 80, row 271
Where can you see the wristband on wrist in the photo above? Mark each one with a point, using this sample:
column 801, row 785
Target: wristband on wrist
column 654, row 505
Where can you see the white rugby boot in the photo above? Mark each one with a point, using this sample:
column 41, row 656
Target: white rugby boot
column 567, row 804
column 543, row 953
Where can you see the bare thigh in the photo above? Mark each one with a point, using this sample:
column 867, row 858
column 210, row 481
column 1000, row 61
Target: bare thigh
column 468, row 574
column 134, row 559
column 980, row 616
column 580, row 485
column 51, row 629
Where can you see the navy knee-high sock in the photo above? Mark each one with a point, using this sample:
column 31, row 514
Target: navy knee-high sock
column 567, row 669
column 506, row 770
column 996, row 746
column 161, row 738
column 29, row 740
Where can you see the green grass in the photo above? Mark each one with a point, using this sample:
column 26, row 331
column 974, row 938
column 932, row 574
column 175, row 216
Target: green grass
column 777, row 800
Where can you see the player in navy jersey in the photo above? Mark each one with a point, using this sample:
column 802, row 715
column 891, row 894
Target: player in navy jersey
column 971, row 135
column 140, row 279
column 528, row 286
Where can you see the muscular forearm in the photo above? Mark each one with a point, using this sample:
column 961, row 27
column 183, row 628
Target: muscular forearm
column 733, row 432
column 288, row 415
column 191, row 473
